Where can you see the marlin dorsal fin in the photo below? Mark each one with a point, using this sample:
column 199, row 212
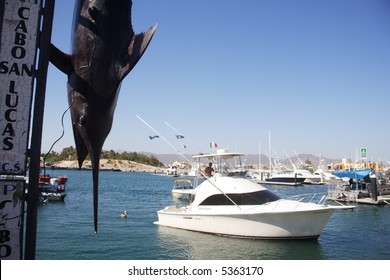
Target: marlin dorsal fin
column 136, row 49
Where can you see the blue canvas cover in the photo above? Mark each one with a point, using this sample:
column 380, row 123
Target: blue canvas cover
column 354, row 174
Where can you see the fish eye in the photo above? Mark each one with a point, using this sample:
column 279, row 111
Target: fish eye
column 82, row 120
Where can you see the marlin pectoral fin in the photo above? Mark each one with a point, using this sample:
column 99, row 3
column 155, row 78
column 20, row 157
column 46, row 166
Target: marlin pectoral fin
column 137, row 48
column 60, row 60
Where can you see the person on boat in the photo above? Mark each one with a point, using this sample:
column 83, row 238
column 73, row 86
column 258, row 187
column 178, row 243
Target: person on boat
column 209, row 170
column 351, row 183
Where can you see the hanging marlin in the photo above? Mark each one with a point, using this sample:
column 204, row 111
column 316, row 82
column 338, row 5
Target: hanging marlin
column 104, row 50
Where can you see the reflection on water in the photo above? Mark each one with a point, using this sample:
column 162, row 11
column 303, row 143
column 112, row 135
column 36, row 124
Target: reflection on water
column 185, row 244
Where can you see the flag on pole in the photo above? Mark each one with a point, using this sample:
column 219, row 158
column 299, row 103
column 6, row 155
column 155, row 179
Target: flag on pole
column 179, row 136
column 152, row 137
column 213, row 145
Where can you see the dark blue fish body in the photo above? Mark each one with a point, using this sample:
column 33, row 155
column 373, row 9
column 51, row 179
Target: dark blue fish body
column 104, row 50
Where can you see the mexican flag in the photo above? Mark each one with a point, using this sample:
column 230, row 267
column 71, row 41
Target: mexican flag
column 213, row 145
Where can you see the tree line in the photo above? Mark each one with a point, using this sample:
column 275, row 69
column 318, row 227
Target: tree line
column 70, row 153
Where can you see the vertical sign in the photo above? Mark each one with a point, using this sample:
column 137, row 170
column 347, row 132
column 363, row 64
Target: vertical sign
column 19, row 27
column 11, row 219
column 363, row 153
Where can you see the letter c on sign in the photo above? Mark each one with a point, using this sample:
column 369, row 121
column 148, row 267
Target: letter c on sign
column 21, row 13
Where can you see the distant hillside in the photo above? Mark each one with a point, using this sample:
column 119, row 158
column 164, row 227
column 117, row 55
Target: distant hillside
column 250, row 159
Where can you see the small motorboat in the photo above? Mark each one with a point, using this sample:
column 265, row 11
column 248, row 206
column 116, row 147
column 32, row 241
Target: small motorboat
column 183, row 189
column 52, row 189
column 171, row 171
column 227, row 203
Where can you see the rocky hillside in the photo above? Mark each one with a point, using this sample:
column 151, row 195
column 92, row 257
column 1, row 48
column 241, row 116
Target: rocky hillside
column 109, row 164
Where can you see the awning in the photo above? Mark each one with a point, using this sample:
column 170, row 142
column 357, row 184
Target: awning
column 354, row 174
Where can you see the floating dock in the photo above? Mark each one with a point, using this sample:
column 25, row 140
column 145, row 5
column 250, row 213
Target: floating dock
column 277, row 183
column 381, row 200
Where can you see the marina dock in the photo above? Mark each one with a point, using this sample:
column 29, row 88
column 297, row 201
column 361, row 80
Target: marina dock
column 278, row 183
column 381, row 200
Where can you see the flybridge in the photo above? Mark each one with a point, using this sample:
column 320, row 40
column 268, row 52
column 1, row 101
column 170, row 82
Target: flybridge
column 221, row 153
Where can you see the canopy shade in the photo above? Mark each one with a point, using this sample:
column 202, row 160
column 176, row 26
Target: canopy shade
column 354, row 174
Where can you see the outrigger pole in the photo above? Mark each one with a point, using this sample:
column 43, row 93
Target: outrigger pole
column 183, row 156
column 174, row 129
column 162, row 137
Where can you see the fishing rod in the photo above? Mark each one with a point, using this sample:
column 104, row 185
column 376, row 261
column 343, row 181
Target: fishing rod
column 183, row 156
column 179, row 133
column 163, row 138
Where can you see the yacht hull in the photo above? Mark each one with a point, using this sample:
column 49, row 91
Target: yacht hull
column 285, row 180
column 268, row 225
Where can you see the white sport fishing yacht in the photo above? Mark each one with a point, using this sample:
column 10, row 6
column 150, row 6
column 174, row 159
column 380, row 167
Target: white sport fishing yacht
column 228, row 204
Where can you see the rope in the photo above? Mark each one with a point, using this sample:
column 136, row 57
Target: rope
column 56, row 141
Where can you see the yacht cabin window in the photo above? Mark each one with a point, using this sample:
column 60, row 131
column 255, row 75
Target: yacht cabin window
column 254, row 198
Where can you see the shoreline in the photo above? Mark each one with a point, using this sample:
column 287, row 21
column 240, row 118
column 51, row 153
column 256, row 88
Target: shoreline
column 107, row 165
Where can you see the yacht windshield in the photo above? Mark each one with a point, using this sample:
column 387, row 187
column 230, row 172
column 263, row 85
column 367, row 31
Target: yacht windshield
column 254, row 198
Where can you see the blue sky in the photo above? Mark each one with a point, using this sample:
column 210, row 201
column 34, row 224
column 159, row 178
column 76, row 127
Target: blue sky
column 316, row 74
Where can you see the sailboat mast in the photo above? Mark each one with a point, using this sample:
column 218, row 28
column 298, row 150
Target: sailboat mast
column 259, row 159
column 269, row 151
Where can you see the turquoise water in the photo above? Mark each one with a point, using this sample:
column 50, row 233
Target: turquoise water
column 65, row 229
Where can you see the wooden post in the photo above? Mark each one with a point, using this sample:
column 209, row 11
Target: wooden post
column 36, row 135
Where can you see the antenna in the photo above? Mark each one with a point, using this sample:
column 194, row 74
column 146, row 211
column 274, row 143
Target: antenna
column 298, row 158
column 293, row 165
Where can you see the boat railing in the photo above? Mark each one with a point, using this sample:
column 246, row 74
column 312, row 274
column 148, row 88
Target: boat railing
column 276, row 204
column 342, row 191
column 318, row 198
column 322, row 200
